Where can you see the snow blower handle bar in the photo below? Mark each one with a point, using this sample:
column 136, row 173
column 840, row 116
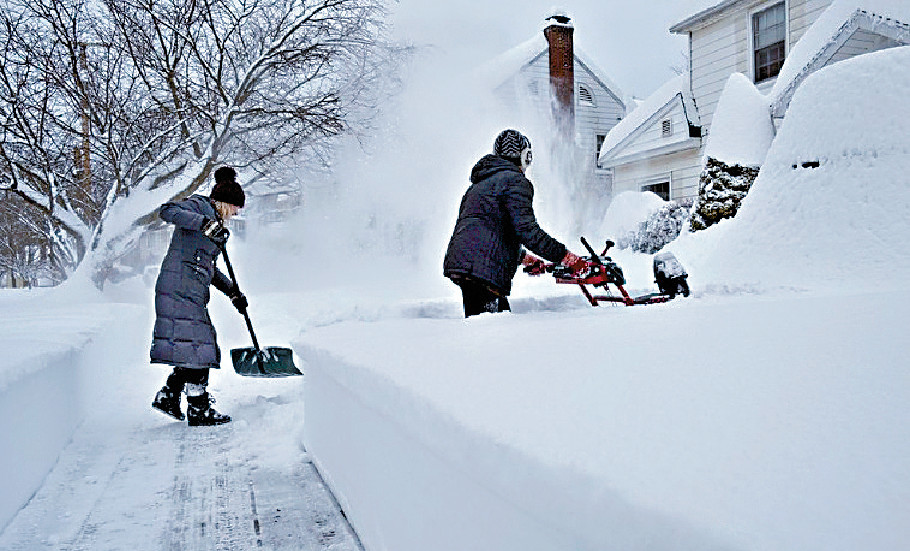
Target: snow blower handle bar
column 246, row 316
column 595, row 259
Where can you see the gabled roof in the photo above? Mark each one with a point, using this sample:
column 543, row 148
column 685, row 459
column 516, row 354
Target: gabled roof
column 674, row 92
column 887, row 18
column 703, row 17
column 503, row 67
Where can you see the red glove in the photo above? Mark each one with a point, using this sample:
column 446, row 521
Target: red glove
column 533, row 265
column 575, row 262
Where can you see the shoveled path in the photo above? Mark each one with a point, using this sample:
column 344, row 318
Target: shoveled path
column 165, row 486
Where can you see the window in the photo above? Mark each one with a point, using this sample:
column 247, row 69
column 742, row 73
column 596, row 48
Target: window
column 585, row 96
column 600, row 144
column 769, row 31
column 661, row 188
column 666, row 128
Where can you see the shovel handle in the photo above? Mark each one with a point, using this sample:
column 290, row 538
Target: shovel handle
column 246, row 316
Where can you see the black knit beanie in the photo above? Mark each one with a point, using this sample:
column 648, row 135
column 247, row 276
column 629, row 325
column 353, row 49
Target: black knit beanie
column 226, row 189
column 510, row 143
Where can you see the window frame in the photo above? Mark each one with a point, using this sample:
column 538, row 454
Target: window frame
column 751, row 28
column 658, row 182
column 599, row 140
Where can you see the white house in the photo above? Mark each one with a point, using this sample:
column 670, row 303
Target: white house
column 587, row 104
column 775, row 43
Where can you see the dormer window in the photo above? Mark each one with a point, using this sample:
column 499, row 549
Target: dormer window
column 585, row 96
column 769, row 41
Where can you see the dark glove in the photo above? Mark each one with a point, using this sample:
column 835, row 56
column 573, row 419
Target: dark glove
column 215, row 230
column 536, row 267
column 239, row 301
column 532, row 264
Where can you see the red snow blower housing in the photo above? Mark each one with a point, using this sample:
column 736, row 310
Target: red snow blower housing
column 601, row 271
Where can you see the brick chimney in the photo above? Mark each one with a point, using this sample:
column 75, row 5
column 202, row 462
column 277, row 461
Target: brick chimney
column 560, row 33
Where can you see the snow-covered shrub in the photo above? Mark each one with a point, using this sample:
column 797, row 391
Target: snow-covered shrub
column 721, row 189
column 661, row 227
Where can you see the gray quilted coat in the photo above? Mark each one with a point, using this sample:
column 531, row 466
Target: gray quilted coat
column 184, row 335
column 495, row 220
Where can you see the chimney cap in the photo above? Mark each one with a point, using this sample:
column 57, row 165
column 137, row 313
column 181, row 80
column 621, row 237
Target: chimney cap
column 560, row 17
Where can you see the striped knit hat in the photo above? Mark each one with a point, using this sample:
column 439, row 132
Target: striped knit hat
column 510, row 143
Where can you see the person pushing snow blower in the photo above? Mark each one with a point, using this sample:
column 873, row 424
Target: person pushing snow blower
column 496, row 222
column 184, row 336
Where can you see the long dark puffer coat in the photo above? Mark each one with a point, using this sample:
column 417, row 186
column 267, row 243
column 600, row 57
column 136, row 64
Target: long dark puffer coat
column 184, row 335
column 495, row 220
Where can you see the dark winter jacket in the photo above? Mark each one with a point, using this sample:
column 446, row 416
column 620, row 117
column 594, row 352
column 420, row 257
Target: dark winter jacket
column 495, row 220
column 184, row 335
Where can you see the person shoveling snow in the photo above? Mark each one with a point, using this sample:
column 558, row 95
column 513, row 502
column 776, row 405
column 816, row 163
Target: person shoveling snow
column 184, row 336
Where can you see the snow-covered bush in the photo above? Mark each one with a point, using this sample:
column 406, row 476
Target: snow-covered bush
column 661, row 227
column 721, row 189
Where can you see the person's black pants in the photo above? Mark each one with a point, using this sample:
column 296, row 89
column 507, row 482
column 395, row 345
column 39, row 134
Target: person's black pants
column 182, row 376
column 478, row 299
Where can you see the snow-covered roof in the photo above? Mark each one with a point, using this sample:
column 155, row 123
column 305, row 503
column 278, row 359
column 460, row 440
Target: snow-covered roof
column 833, row 28
column 702, row 16
column 503, row 67
column 676, row 89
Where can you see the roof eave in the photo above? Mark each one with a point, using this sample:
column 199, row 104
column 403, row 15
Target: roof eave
column 702, row 18
column 675, row 147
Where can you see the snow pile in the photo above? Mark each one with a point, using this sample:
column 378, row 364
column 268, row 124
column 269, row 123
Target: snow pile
column 741, row 130
column 829, row 205
column 577, row 431
column 627, row 211
column 54, row 346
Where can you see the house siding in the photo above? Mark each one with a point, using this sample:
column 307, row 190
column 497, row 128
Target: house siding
column 862, row 42
column 681, row 169
column 723, row 47
column 802, row 14
column 652, row 137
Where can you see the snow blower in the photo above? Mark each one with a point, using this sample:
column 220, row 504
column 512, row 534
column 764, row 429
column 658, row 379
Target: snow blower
column 601, row 271
column 273, row 361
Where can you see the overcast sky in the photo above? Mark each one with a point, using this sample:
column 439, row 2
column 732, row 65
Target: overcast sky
column 629, row 40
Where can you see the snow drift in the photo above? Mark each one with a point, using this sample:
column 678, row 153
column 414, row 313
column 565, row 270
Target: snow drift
column 829, row 205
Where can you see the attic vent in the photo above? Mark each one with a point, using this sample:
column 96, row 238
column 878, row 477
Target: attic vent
column 532, row 88
column 585, row 96
column 666, row 128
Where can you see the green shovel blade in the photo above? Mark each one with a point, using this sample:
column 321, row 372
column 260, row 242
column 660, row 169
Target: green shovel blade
column 272, row 361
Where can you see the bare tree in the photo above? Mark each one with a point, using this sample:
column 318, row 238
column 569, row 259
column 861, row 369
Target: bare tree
column 111, row 107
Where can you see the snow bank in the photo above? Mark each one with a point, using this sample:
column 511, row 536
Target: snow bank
column 828, row 208
column 505, row 432
column 824, row 30
column 626, row 211
column 741, row 131
column 53, row 348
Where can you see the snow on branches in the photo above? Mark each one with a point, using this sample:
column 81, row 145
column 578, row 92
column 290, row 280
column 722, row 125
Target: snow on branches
column 108, row 107
column 721, row 189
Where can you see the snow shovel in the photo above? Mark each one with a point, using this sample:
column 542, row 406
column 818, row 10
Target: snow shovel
column 273, row 361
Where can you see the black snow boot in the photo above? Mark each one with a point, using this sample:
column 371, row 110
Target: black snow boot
column 167, row 401
column 199, row 412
